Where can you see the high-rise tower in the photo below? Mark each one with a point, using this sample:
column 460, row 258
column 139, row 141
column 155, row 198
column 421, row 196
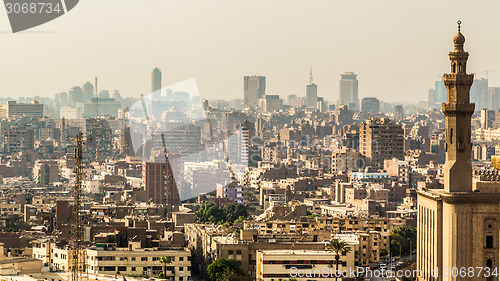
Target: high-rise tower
column 311, row 92
column 348, row 90
column 155, row 80
column 458, row 111
column 254, row 87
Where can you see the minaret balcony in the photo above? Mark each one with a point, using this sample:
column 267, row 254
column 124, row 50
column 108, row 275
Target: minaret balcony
column 453, row 109
column 458, row 79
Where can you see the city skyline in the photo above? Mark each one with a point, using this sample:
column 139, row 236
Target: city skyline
column 382, row 52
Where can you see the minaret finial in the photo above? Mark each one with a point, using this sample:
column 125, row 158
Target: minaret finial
column 459, row 22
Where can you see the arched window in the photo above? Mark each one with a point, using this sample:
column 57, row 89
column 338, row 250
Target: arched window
column 454, row 68
column 451, row 136
column 460, row 68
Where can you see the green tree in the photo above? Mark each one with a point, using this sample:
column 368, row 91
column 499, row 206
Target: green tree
column 401, row 237
column 165, row 261
column 209, row 213
column 383, row 252
column 338, row 247
column 233, row 211
column 224, row 269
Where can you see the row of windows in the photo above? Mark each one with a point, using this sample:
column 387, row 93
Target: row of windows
column 144, row 269
column 299, row 262
column 112, row 258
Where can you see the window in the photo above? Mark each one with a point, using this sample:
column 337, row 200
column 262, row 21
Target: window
column 181, row 258
column 155, row 258
column 181, row 268
column 489, row 241
column 132, row 258
column 122, row 268
column 238, row 252
column 110, row 268
column 157, row 268
column 144, row 259
column 122, row 258
column 132, row 269
column 230, row 252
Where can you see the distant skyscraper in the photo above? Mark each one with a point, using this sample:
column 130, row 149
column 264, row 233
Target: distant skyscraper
column 270, row 103
column 311, row 92
column 62, row 99
column 117, row 95
column 349, row 90
column 155, row 80
column 254, row 89
column 493, row 98
column 431, row 98
column 370, row 105
column 75, row 96
column 398, row 110
column 88, row 92
column 439, row 93
column 479, row 93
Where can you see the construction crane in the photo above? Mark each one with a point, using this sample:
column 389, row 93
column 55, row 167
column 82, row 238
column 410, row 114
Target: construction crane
column 77, row 253
column 487, row 71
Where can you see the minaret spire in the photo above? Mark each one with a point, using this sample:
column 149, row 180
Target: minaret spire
column 458, row 111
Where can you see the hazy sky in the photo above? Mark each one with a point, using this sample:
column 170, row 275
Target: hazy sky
column 397, row 47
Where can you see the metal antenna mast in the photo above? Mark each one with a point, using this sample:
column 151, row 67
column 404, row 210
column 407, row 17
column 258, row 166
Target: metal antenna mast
column 96, row 99
column 311, row 76
column 77, row 243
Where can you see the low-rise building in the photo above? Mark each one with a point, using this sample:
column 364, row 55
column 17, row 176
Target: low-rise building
column 298, row 264
column 132, row 261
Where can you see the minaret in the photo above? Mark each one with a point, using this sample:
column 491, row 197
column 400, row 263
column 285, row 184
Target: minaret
column 458, row 111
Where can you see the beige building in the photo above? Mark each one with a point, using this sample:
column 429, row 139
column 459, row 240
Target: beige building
column 270, row 103
column 124, row 261
column 299, row 264
column 71, row 112
column 139, row 261
column 45, row 172
column 254, row 87
column 458, row 226
column 380, row 139
column 14, row 109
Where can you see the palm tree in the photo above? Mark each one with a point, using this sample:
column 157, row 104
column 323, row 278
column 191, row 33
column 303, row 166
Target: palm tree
column 337, row 247
column 165, row 261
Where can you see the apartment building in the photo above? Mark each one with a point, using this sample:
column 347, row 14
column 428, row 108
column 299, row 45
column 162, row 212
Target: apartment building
column 133, row 261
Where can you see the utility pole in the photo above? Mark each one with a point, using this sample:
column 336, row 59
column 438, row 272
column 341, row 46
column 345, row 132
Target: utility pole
column 77, row 252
